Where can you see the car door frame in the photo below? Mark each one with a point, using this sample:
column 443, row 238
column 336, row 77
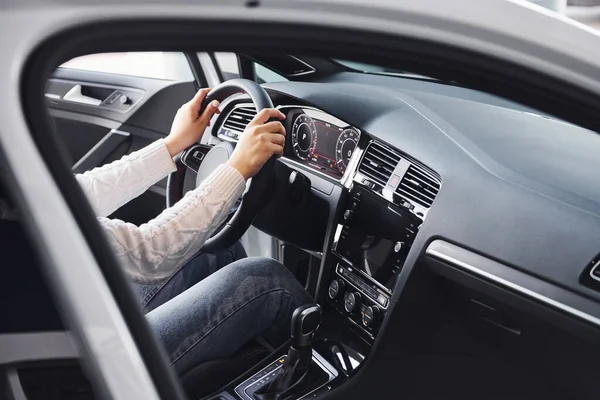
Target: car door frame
column 59, row 228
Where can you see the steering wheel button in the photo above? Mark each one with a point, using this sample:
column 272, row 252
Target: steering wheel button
column 198, row 155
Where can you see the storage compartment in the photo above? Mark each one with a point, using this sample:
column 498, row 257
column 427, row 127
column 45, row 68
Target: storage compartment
column 305, row 266
column 488, row 343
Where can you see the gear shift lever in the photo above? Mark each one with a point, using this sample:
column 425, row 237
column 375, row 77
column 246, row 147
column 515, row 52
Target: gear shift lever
column 305, row 322
column 295, row 370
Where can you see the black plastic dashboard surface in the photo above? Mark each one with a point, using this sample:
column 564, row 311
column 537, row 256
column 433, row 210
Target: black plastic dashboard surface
column 502, row 204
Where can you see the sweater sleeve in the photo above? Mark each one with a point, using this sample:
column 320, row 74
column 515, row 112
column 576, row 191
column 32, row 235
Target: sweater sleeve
column 153, row 251
column 113, row 185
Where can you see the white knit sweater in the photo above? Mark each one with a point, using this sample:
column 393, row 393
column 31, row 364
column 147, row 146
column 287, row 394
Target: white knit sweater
column 153, row 251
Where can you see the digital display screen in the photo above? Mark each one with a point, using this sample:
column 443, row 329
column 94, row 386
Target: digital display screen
column 327, row 136
column 320, row 141
column 375, row 257
column 376, row 237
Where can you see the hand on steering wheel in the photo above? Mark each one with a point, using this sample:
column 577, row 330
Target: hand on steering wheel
column 190, row 123
column 254, row 158
column 259, row 142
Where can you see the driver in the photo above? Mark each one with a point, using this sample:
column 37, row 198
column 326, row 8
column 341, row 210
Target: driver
column 197, row 313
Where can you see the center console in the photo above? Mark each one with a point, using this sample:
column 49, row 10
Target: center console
column 370, row 246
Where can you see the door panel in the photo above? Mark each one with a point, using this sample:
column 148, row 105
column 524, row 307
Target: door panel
column 96, row 126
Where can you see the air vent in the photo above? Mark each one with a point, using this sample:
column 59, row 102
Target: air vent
column 238, row 118
column 378, row 163
column 418, row 186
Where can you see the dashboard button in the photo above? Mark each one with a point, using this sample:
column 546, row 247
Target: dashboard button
column 336, row 288
column 382, row 300
column 348, row 214
column 352, row 302
column 371, row 316
column 368, row 183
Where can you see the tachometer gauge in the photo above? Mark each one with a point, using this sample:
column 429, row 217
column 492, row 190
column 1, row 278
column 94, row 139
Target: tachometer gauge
column 344, row 148
column 304, row 137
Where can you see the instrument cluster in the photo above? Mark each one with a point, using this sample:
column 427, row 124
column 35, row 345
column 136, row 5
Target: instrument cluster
column 320, row 140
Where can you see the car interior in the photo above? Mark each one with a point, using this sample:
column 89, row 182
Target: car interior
column 450, row 236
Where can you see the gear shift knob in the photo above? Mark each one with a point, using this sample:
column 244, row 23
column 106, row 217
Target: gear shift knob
column 305, row 322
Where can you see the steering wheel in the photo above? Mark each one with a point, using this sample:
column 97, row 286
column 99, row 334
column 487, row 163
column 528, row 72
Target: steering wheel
column 210, row 158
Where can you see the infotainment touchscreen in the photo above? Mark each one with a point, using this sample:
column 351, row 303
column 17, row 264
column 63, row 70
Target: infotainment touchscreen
column 373, row 256
column 375, row 236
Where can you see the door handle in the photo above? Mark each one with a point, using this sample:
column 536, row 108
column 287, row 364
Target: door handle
column 74, row 95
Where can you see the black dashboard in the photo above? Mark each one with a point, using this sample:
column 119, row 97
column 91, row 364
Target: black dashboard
column 492, row 178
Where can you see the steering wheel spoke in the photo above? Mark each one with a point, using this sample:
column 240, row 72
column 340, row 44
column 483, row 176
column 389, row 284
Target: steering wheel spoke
column 193, row 156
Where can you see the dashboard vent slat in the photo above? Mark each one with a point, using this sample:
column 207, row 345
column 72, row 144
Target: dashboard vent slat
column 418, row 186
column 239, row 118
column 378, row 163
column 380, row 177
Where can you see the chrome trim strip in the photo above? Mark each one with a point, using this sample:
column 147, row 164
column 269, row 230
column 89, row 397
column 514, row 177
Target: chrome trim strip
column 436, row 249
column 592, row 271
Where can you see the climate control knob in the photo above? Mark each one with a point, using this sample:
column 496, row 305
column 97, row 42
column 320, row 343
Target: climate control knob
column 371, row 316
column 336, row 288
column 352, row 302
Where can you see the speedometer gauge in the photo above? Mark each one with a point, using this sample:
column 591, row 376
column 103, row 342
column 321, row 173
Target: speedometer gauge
column 344, row 148
column 304, row 137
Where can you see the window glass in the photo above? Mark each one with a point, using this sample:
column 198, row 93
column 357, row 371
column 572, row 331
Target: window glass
column 265, row 75
column 158, row 65
column 228, row 64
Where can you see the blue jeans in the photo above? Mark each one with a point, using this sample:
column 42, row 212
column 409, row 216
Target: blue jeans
column 212, row 319
column 192, row 272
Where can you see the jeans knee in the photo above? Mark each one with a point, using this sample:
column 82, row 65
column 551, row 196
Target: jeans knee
column 260, row 266
column 265, row 274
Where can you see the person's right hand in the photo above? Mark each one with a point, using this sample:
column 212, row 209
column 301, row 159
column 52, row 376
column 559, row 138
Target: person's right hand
column 259, row 142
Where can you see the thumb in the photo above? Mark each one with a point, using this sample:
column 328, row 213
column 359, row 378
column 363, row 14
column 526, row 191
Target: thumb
column 209, row 111
column 196, row 102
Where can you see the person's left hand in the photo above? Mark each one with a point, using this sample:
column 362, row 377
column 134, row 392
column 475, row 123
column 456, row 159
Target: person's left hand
column 188, row 126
